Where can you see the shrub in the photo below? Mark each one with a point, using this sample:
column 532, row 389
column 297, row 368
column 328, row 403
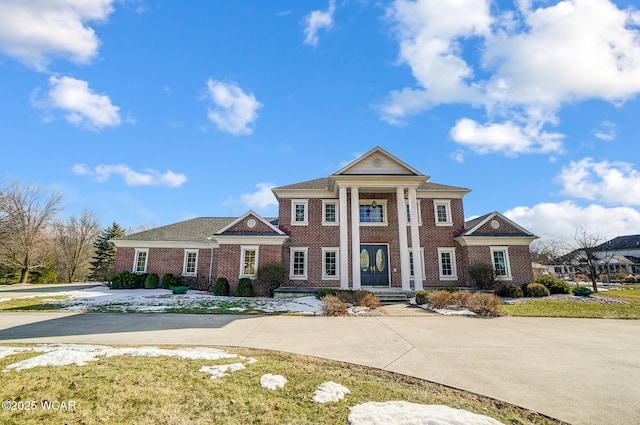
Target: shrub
column 346, row 295
column 124, row 280
column 483, row 276
column 151, row 281
column 367, row 299
column 421, row 297
column 179, row 289
column 510, row 291
column 537, row 290
column 140, row 279
column 485, row 304
column 333, row 306
column 555, row 285
column 582, row 291
column 167, row 280
column 439, row 299
column 244, row 288
column 221, row 287
column 460, row 298
column 269, row 277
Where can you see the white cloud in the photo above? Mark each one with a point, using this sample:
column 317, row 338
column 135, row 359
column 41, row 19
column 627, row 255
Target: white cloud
column 262, row 198
column 83, row 107
column 235, row 111
column 609, row 182
column 606, row 131
column 317, row 20
column 36, row 30
column 552, row 221
column 507, row 137
column 532, row 61
column 149, row 177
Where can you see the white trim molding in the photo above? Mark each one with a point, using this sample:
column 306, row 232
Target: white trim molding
column 447, row 205
column 336, row 276
column 243, row 265
column 305, row 213
column 452, row 263
column 185, row 262
column 136, row 256
column 507, row 265
column 305, row 263
column 336, row 221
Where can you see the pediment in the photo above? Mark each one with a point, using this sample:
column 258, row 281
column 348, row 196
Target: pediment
column 377, row 162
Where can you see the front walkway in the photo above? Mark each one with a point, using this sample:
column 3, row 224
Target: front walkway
column 582, row 371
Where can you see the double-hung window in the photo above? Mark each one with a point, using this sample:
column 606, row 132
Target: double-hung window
column 447, row 263
column 329, row 213
column 411, row 269
column 330, row 266
column 298, row 267
column 408, row 208
column 140, row 260
column 442, row 212
column 190, row 265
column 249, row 261
column 501, row 266
column 299, row 212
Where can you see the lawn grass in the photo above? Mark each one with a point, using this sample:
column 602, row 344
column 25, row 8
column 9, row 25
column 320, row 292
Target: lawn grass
column 32, row 304
column 167, row 390
column 553, row 308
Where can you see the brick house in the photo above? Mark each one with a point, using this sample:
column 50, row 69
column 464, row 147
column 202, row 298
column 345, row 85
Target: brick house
column 327, row 225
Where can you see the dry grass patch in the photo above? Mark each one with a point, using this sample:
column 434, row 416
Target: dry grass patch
column 165, row 390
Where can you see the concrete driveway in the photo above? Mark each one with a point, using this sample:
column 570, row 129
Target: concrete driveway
column 581, row 371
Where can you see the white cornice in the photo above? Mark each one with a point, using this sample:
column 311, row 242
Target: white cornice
column 164, row 244
column 494, row 240
column 303, row 193
column 251, row 240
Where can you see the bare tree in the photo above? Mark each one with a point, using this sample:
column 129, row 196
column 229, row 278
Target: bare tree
column 586, row 256
column 545, row 251
column 74, row 240
column 27, row 210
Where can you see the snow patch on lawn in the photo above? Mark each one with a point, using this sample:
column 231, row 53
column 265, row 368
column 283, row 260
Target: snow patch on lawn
column 159, row 300
column 220, row 370
column 272, row 382
column 454, row 312
column 80, row 355
column 405, row 413
column 330, row 392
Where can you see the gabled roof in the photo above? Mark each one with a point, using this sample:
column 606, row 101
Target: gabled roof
column 620, row 243
column 196, row 229
column 377, row 161
column 268, row 228
column 472, row 227
column 315, row 184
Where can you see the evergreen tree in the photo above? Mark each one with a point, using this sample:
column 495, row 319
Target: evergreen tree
column 105, row 252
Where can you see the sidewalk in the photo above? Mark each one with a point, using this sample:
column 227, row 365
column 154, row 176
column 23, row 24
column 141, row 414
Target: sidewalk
column 581, row 371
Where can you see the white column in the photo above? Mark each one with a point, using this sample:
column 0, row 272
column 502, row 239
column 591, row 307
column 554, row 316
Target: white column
column 355, row 238
column 405, row 272
column 344, row 239
column 415, row 240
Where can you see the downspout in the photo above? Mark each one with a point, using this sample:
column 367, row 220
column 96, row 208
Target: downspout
column 210, row 260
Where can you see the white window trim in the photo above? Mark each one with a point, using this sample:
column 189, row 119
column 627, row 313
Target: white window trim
column 418, row 207
column 447, row 204
column 424, row 274
column 454, row 269
column 507, row 262
column 135, row 259
column 184, row 262
column 306, row 262
column 243, row 250
column 295, row 202
column 381, row 202
column 324, row 268
column 324, row 211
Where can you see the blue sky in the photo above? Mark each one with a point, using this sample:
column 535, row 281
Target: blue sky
column 151, row 112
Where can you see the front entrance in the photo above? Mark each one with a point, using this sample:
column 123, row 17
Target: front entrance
column 374, row 265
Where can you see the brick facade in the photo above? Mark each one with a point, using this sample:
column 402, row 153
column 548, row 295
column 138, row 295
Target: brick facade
column 220, row 248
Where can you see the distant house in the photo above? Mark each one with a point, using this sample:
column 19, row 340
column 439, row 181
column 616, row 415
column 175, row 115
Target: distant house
column 620, row 255
column 375, row 223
